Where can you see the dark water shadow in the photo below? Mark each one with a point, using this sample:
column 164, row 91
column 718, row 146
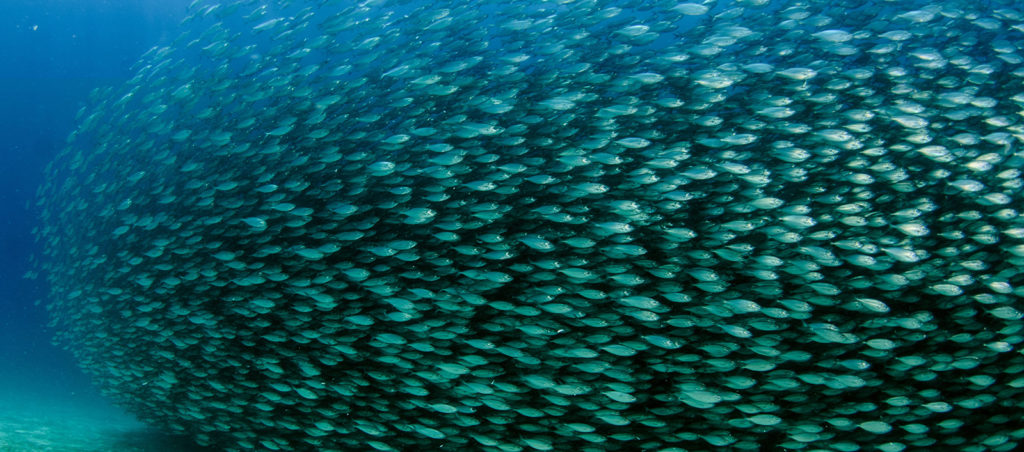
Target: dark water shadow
column 150, row 440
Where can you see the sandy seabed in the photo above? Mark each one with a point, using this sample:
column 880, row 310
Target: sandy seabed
column 35, row 421
column 21, row 433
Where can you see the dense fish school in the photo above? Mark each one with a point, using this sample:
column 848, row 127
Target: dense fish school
column 556, row 225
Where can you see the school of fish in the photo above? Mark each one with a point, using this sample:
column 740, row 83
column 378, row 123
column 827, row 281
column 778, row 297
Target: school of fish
column 579, row 225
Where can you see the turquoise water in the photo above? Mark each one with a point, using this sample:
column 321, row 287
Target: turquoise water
column 54, row 53
column 45, row 410
column 579, row 224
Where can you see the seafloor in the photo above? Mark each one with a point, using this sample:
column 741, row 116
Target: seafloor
column 44, row 415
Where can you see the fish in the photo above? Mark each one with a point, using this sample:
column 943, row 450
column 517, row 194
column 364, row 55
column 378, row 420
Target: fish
column 572, row 225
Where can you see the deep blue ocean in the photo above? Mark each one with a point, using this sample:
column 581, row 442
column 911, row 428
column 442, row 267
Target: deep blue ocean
column 54, row 53
column 586, row 225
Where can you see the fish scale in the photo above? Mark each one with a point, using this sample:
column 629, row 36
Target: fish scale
column 579, row 225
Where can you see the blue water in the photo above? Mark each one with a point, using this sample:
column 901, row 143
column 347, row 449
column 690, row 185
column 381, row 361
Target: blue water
column 54, row 52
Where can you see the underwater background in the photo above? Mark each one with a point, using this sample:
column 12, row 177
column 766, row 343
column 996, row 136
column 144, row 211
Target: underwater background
column 579, row 225
column 54, row 52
